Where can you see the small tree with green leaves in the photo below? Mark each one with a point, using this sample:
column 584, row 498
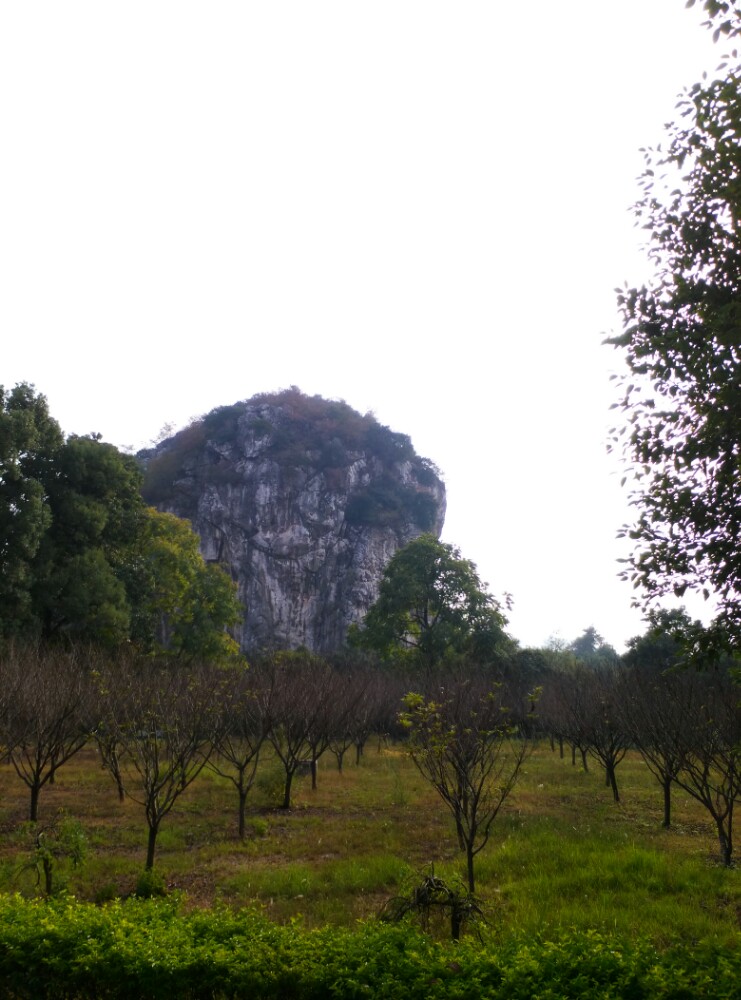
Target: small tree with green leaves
column 61, row 841
column 464, row 742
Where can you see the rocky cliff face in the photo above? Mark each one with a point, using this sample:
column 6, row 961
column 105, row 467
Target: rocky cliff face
column 305, row 501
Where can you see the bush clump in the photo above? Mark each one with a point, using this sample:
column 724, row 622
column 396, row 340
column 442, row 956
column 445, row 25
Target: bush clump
column 149, row 949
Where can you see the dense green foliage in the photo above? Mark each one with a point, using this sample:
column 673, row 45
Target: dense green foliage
column 432, row 606
column 184, row 603
column 148, row 949
column 84, row 559
column 681, row 343
column 301, row 433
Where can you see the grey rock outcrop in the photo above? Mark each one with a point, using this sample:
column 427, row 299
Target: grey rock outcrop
column 304, row 500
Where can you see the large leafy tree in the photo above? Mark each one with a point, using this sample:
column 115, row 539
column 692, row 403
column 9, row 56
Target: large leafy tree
column 29, row 437
column 96, row 510
column 178, row 601
column 432, row 605
column 83, row 558
column 682, row 345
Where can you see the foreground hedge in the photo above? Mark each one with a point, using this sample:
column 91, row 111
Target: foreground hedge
column 147, row 949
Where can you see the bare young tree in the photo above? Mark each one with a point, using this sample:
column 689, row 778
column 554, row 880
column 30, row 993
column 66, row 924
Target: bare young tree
column 657, row 705
column 48, row 722
column 710, row 750
column 238, row 742
column 565, row 712
column 166, row 723
column 606, row 737
column 656, row 715
column 348, row 701
column 464, row 743
column 296, row 705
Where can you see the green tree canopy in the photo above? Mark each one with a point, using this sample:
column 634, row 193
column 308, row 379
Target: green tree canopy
column 661, row 646
column 431, row 606
column 28, row 438
column 92, row 493
column 682, row 345
column 179, row 602
column 84, row 559
column 591, row 649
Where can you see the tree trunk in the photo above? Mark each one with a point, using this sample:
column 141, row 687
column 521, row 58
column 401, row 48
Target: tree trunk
column 560, row 747
column 48, row 875
column 462, row 844
column 242, row 810
column 612, row 781
column 35, row 791
column 287, row 791
column 469, row 867
column 151, row 843
column 313, row 774
column 584, row 764
column 726, row 842
column 667, row 785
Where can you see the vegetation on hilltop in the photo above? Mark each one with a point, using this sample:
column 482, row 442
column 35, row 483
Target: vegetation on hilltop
column 304, row 433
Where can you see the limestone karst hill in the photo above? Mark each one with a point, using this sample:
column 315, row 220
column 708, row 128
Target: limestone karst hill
column 304, row 500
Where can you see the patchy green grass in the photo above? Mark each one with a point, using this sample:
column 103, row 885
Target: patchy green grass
column 562, row 854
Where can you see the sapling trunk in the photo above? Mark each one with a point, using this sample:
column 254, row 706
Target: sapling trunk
column 469, row 868
column 242, row 810
column 667, row 785
column 151, row 844
column 35, row 792
column 612, row 782
column 287, row 790
column 725, row 840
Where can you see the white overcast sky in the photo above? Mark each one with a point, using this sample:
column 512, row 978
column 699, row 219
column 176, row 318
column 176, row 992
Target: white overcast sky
column 419, row 207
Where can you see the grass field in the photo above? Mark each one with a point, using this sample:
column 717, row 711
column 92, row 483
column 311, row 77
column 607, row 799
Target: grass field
column 562, row 855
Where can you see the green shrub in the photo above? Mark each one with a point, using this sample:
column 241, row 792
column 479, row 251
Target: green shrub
column 106, row 893
column 149, row 949
column 150, row 884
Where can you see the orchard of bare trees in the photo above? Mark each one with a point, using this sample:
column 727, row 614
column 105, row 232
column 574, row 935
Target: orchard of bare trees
column 685, row 722
column 468, row 727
